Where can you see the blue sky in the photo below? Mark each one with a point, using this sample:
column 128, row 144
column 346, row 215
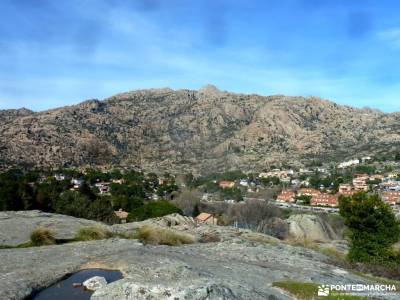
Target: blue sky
column 55, row 53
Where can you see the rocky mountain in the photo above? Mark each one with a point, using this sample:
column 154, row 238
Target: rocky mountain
column 202, row 131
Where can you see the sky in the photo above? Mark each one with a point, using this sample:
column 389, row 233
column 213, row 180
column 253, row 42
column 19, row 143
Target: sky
column 56, row 53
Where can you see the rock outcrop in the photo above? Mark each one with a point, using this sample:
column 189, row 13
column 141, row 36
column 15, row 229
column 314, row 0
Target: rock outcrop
column 240, row 264
column 200, row 131
column 95, row 283
column 308, row 227
column 16, row 226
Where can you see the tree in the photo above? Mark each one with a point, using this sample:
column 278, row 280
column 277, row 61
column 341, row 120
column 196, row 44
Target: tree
column 166, row 189
column 373, row 228
column 101, row 210
column 186, row 201
column 153, row 210
column 126, row 203
column 305, row 199
column 189, row 180
column 253, row 214
column 196, row 211
column 85, row 190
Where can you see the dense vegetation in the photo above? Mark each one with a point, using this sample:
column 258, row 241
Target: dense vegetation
column 373, row 229
column 41, row 190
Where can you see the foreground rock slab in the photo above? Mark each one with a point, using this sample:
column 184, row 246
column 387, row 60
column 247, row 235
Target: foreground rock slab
column 16, row 226
column 232, row 269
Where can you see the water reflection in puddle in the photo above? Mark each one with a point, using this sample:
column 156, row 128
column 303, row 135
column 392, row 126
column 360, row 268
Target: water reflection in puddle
column 63, row 290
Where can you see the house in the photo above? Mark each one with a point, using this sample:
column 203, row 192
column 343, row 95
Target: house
column 77, row 182
column 360, row 183
column 349, row 163
column 103, row 187
column 308, row 192
column 206, row 218
column 324, row 199
column 287, row 196
column 59, row 177
column 295, row 182
column 345, row 188
column 393, row 175
column 347, row 193
column 305, row 171
column 243, row 182
column 366, row 158
column 283, row 175
column 226, row 184
column 377, row 177
column 391, row 197
column 118, row 181
column 122, row 215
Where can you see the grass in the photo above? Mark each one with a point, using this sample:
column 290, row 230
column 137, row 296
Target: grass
column 260, row 239
column 375, row 279
column 308, row 291
column 92, row 233
column 328, row 251
column 42, row 237
column 159, row 236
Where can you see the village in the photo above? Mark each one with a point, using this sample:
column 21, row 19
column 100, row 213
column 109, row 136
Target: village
column 298, row 192
column 129, row 192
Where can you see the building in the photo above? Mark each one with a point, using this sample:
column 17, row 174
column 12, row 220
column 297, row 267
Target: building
column 345, row 188
column 377, row 177
column 59, row 177
column 103, row 187
column 76, row 181
column 308, row 192
column 243, row 182
column 119, row 181
column 393, row 175
column 283, row 175
column 391, row 197
column 325, row 200
column 366, row 158
column 347, row 193
column 349, row 163
column 360, row 183
column 206, row 218
column 287, row 196
column 226, row 184
column 122, row 215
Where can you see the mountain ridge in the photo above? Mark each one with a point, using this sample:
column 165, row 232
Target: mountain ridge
column 199, row 131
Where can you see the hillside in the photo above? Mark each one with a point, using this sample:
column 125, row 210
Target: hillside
column 204, row 130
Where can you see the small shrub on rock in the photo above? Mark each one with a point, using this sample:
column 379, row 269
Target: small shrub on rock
column 42, row 236
column 92, row 233
column 209, row 238
column 160, row 236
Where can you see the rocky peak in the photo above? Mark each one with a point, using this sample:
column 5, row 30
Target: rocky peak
column 166, row 130
column 209, row 89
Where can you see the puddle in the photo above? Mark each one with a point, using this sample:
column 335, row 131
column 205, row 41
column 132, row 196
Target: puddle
column 63, row 290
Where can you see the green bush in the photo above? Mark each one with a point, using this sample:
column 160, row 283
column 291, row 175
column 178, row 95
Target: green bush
column 42, row 236
column 92, row 233
column 153, row 210
column 373, row 229
column 159, row 236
